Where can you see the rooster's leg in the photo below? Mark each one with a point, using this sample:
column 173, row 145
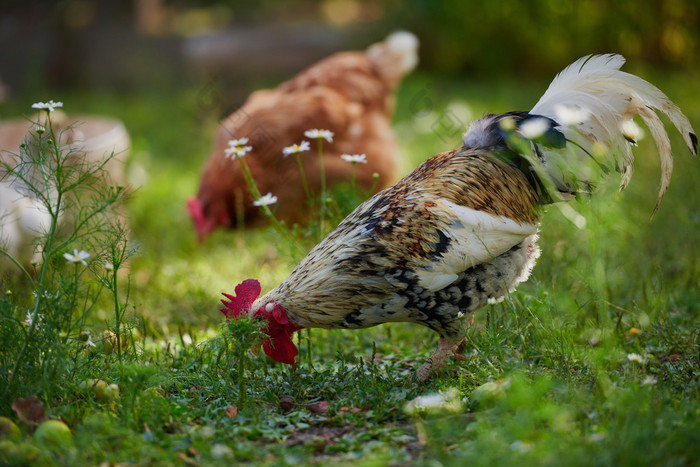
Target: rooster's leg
column 448, row 346
column 459, row 349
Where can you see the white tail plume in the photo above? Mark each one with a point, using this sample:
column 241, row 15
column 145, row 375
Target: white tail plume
column 595, row 102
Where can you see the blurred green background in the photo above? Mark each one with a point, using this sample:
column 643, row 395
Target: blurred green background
column 127, row 44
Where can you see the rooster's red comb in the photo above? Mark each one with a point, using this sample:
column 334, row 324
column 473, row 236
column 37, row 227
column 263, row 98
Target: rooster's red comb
column 246, row 293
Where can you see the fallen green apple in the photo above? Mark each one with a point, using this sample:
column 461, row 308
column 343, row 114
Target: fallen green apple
column 54, row 433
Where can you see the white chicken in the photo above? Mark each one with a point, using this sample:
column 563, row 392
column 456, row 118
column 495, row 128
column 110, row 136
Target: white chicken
column 22, row 219
column 23, row 216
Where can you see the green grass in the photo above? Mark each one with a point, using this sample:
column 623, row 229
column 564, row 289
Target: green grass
column 566, row 392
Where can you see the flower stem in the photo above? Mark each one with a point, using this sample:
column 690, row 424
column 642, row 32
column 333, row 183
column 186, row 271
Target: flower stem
column 242, row 390
column 117, row 308
column 303, row 177
column 353, row 180
column 308, row 348
column 323, row 188
column 19, row 265
column 375, row 181
column 253, row 187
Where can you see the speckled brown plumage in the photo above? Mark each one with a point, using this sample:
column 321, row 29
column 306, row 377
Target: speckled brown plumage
column 370, row 259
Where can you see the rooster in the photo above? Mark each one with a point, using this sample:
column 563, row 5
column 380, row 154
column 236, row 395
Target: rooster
column 460, row 231
column 348, row 93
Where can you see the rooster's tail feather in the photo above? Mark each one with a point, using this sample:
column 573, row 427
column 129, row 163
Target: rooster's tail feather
column 606, row 100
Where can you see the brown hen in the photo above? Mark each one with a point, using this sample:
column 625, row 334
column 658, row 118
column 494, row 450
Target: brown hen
column 348, row 93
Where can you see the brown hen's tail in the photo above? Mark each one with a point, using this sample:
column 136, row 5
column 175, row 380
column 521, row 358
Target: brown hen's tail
column 395, row 57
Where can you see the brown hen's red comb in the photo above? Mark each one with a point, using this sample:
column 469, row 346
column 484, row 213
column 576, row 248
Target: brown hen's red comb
column 194, row 207
column 196, row 210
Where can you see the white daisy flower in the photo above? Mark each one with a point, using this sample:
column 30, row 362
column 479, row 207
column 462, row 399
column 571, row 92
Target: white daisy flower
column 649, row 381
column 571, row 114
column 355, row 158
column 29, row 320
column 50, row 105
column 448, row 400
column 318, row 134
column 238, row 142
column 635, row 357
column 221, row 451
column 296, row 148
column 631, row 131
column 237, row 147
column 507, row 124
column 77, row 256
column 266, row 200
column 521, row 446
column 533, row 128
